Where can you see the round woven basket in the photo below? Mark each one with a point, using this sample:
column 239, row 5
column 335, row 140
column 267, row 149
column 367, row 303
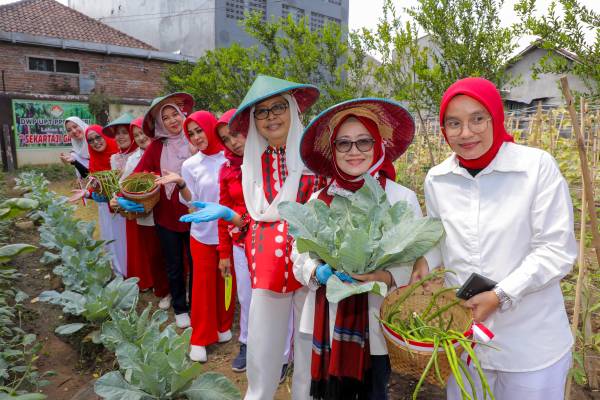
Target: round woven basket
column 148, row 199
column 405, row 358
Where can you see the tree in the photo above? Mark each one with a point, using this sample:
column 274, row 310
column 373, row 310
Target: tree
column 444, row 41
column 286, row 49
column 568, row 32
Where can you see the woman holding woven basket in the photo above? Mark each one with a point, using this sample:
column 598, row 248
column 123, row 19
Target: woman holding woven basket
column 344, row 142
column 163, row 123
column 507, row 214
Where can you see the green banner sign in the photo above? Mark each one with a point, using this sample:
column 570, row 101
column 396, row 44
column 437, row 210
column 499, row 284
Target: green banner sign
column 41, row 124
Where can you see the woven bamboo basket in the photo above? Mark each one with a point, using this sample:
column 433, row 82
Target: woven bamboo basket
column 410, row 361
column 148, row 199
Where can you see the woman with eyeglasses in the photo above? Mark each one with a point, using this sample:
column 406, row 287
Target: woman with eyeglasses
column 272, row 172
column 101, row 148
column 507, row 214
column 344, row 142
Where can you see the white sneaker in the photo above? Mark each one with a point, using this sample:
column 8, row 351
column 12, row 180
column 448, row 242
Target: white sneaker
column 165, row 302
column 198, row 353
column 224, row 336
column 182, row 320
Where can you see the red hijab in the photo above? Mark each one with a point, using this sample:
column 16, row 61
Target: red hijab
column 380, row 163
column 487, row 94
column 100, row 160
column 235, row 161
column 133, row 146
column 208, row 123
column 136, row 122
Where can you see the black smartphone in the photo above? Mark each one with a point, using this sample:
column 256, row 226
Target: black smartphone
column 475, row 285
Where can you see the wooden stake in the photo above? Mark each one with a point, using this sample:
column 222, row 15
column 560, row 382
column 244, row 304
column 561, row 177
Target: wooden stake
column 580, row 280
column 585, row 169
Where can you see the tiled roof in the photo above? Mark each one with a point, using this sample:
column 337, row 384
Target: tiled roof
column 52, row 19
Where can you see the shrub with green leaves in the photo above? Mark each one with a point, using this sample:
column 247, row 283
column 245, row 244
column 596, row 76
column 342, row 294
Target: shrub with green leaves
column 158, row 368
column 128, row 326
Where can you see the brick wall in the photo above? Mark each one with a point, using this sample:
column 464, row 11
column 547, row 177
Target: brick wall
column 116, row 76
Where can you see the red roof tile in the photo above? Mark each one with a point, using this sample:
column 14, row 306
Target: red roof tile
column 50, row 18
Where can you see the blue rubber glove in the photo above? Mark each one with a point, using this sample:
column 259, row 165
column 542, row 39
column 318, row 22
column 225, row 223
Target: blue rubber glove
column 323, row 273
column 208, row 212
column 129, row 205
column 98, row 198
column 344, row 277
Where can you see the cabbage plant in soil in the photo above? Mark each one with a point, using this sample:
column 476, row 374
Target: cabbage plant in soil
column 359, row 234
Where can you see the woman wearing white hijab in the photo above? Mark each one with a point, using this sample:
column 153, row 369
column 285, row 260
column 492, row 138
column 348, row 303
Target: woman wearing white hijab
column 79, row 156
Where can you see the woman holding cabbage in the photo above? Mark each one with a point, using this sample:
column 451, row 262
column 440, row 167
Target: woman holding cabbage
column 507, row 214
column 356, row 137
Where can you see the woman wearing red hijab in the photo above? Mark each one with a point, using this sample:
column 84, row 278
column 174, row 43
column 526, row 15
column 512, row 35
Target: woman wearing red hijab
column 144, row 256
column 507, row 214
column 344, row 142
column 211, row 316
column 101, row 149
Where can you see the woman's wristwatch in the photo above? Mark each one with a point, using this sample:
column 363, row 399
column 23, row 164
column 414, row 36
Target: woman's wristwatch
column 182, row 186
column 503, row 298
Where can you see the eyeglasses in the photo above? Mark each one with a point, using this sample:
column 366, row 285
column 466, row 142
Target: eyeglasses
column 345, row 145
column 93, row 139
column 477, row 124
column 277, row 109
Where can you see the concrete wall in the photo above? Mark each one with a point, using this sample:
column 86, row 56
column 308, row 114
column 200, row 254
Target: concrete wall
column 546, row 87
column 185, row 26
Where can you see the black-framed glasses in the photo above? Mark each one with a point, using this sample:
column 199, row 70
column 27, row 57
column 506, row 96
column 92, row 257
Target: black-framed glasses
column 362, row 145
column 93, row 139
column 276, row 109
column 477, row 124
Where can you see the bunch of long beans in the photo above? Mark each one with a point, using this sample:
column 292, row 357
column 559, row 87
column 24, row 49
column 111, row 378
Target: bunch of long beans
column 105, row 183
column 434, row 327
column 140, row 182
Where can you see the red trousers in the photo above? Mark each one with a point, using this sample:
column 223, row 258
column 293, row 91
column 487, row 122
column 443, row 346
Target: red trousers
column 144, row 258
column 208, row 313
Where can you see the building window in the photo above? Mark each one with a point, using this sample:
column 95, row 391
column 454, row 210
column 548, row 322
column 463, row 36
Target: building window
column 258, row 6
column 234, row 9
column 297, row 13
column 52, row 65
column 68, row 67
column 41, row 64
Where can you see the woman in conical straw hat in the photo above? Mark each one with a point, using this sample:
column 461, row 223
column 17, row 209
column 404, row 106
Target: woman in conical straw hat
column 272, row 172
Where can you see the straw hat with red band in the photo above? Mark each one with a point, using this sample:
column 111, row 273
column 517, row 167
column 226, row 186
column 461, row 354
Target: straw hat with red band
column 184, row 101
column 396, row 127
column 265, row 87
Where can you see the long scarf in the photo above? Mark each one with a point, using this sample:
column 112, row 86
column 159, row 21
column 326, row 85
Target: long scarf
column 487, row 94
column 175, row 148
column 234, row 162
column 343, row 370
column 79, row 145
column 252, row 174
column 100, row 160
column 208, row 123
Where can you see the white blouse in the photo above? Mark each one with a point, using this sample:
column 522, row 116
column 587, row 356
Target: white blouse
column 201, row 175
column 304, row 267
column 513, row 223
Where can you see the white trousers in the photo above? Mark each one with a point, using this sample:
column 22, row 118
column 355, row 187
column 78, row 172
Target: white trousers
column 244, row 289
column 267, row 335
column 545, row 384
column 112, row 227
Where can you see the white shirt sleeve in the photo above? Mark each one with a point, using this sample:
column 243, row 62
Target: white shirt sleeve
column 187, row 176
column 303, row 267
column 553, row 245
column 433, row 256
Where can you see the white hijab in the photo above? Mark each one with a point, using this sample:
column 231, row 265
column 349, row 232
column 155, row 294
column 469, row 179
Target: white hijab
column 252, row 172
column 80, row 146
column 176, row 148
